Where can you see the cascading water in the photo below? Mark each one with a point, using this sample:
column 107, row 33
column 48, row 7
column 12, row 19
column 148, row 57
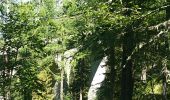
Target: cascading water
column 98, row 78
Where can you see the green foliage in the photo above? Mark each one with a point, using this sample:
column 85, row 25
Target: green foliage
column 33, row 33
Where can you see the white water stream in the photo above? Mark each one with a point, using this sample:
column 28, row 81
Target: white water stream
column 97, row 80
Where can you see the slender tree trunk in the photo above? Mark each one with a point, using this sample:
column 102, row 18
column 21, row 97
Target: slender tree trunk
column 111, row 75
column 4, row 93
column 164, row 80
column 61, row 85
column 5, row 75
column 168, row 11
column 127, row 81
column 164, row 74
column 3, row 84
column 164, row 86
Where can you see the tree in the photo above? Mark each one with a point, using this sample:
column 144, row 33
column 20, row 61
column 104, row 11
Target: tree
column 37, row 39
column 21, row 49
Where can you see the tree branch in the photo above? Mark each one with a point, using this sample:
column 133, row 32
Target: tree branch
column 165, row 25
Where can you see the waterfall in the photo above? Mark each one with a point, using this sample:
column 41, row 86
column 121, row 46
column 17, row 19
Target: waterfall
column 66, row 60
column 98, row 71
column 97, row 79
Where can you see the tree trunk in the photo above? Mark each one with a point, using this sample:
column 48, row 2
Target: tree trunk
column 168, row 11
column 164, row 80
column 61, row 85
column 164, row 86
column 127, row 81
column 6, row 76
column 111, row 75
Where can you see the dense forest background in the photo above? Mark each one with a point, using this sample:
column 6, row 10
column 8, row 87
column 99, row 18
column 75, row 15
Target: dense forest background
column 51, row 49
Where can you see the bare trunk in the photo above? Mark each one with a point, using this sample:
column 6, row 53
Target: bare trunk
column 164, row 86
column 127, row 81
column 6, row 76
column 164, row 79
column 168, row 10
column 111, row 75
column 61, row 85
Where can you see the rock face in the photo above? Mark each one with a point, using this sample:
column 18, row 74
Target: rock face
column 98, row 78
